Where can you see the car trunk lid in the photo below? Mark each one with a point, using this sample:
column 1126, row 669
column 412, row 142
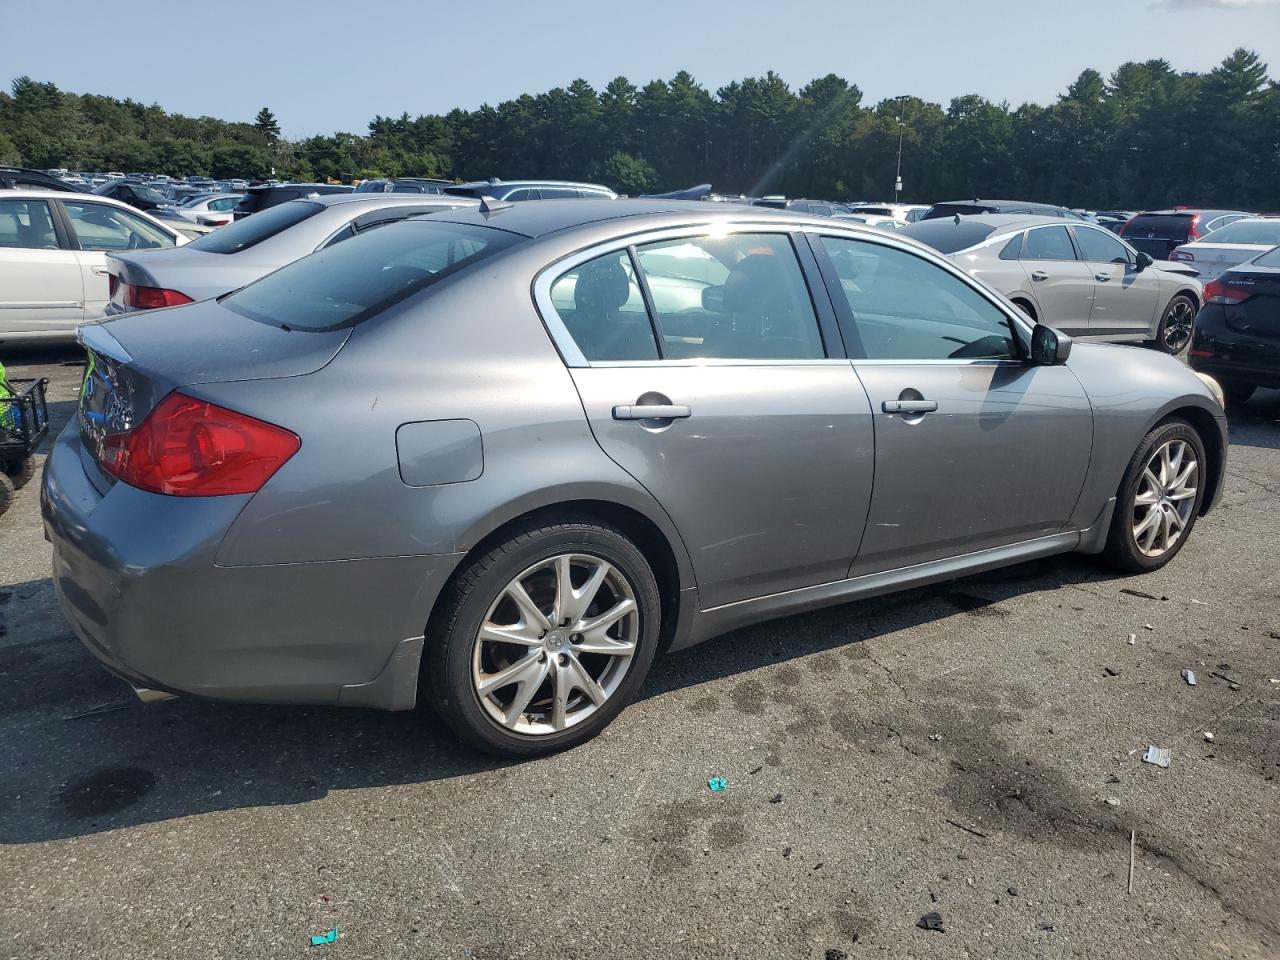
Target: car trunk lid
column 134, row 361
column 1259, row 313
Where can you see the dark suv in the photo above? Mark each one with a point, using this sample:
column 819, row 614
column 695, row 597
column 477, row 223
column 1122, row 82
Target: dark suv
column 138, row 195
column 260, row 198
column 405, row 185
column 20, row 178
column 1158, row 232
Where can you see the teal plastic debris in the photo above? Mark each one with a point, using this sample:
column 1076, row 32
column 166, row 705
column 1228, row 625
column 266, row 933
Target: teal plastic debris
column 717, row 784
column 319, row 940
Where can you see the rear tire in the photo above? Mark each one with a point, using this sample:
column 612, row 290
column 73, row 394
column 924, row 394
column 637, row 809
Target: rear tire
column 1177, row 325
column 515, row 590
column 1151, row 495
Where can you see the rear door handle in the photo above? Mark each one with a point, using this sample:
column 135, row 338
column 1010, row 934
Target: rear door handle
column 101, row 271
column 652, row 411
column 1102, row 277
column 1039, row 275
column 909, row 406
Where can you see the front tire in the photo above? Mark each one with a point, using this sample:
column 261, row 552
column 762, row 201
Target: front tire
column 1159, row 499
column 1177, row 325
column 543, row 640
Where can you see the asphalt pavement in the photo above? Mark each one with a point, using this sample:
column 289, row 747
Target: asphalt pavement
column 973, row 749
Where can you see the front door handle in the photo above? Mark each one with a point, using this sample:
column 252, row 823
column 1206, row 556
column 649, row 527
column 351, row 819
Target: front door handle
column 1039, row 275
column 909, row 406
column 1102, row 277
column 652, row 411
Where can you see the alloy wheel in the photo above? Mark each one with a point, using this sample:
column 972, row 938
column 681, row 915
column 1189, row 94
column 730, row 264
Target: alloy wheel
column 555, row 644
column 1178, row 325
column 1165, row 497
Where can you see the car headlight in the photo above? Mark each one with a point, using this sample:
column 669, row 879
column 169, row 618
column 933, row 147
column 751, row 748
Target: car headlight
column 1214, row 387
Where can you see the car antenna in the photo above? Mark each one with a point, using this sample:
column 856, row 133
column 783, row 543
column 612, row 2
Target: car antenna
column 492, row 205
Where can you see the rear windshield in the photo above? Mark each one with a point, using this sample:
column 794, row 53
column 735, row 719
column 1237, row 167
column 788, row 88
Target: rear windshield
column 251, row 231
column 346, row 284
column 956, row 209
column 463, row 192
column 1269, row 259
column 947, row 236
column 1265, row 232
column 1161, row 226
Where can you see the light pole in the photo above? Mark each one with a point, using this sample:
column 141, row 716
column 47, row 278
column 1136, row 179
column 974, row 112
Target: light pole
column 897, row 180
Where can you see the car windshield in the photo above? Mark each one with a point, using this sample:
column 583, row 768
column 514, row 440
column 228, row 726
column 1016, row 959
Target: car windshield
column 346, row 284
column 251, row 231
column 1264, row 233
column 150, row 194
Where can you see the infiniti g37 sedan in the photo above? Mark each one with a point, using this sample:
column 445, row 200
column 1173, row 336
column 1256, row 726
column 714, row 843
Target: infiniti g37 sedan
column 501, row 458
column 1074, row 276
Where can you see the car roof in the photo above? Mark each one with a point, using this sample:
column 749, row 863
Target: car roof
column 10, row 194
column 1006, row 222
column 477, row 184
column 389, row 199
column 1187, row 212
column 537, row 218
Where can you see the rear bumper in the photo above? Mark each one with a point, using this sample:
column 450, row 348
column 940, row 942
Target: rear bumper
column 1229, row 355
column 136, row 577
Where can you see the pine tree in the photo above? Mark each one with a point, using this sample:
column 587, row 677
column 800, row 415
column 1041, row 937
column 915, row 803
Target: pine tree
column 265, row 124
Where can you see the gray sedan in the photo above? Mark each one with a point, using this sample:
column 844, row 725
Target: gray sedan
column 1078, row 277
column 500, row 459
column 243, row 251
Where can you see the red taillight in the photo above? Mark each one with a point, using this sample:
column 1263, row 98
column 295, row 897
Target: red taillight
column 1193, row 228
column 1182, row 256
column 153, row 298
column 191, row 448
column 1221, row 291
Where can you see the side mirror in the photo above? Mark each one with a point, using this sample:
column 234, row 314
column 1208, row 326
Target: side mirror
column 1049, row 348
column 1144, row 260
column 713, row 298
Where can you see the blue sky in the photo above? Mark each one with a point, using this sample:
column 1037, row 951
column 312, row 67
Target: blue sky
column 329, row 65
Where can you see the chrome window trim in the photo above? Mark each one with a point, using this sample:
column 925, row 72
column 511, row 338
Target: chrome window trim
column 573, row 357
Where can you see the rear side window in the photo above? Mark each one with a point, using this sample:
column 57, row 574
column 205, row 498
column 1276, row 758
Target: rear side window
column 1013, row 249
column 1048, row 243
column 251, row 231
column 27, row 223
column 602, row 308
column 346, row 284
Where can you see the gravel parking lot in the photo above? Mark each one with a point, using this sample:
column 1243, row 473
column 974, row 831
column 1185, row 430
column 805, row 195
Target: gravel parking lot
column 972, row 749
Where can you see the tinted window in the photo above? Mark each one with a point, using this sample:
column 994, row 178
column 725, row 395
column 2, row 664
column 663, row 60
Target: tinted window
column 1269, row 259
column 741, row 296
column 251, row 231
column 26, row 223
column 603, row 310
column 1048, row 243
column 906, row 308
column 1012, row 249
column 1161, row 226
column 346, row 284
column 558, row 193
column 102, row 227
column 1247, row 231
column 1101, row 247
column 947, row 236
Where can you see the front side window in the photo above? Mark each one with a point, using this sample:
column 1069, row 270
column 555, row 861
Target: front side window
column 906, row 308
column 735, row 297
column 343, row 285
column 1048, row 243
column 601, row 306
column 27, row 224
column 1101, row 247
column 100, row 227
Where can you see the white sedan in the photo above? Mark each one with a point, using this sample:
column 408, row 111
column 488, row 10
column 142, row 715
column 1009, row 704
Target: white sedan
column 1229, row 246
column 53, row 258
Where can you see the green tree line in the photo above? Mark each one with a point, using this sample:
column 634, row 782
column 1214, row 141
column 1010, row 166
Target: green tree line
column 1146, row 136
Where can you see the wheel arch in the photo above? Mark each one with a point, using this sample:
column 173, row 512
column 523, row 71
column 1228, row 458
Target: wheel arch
column 1025, row 302
column 650, row 530
column 1206, row 425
